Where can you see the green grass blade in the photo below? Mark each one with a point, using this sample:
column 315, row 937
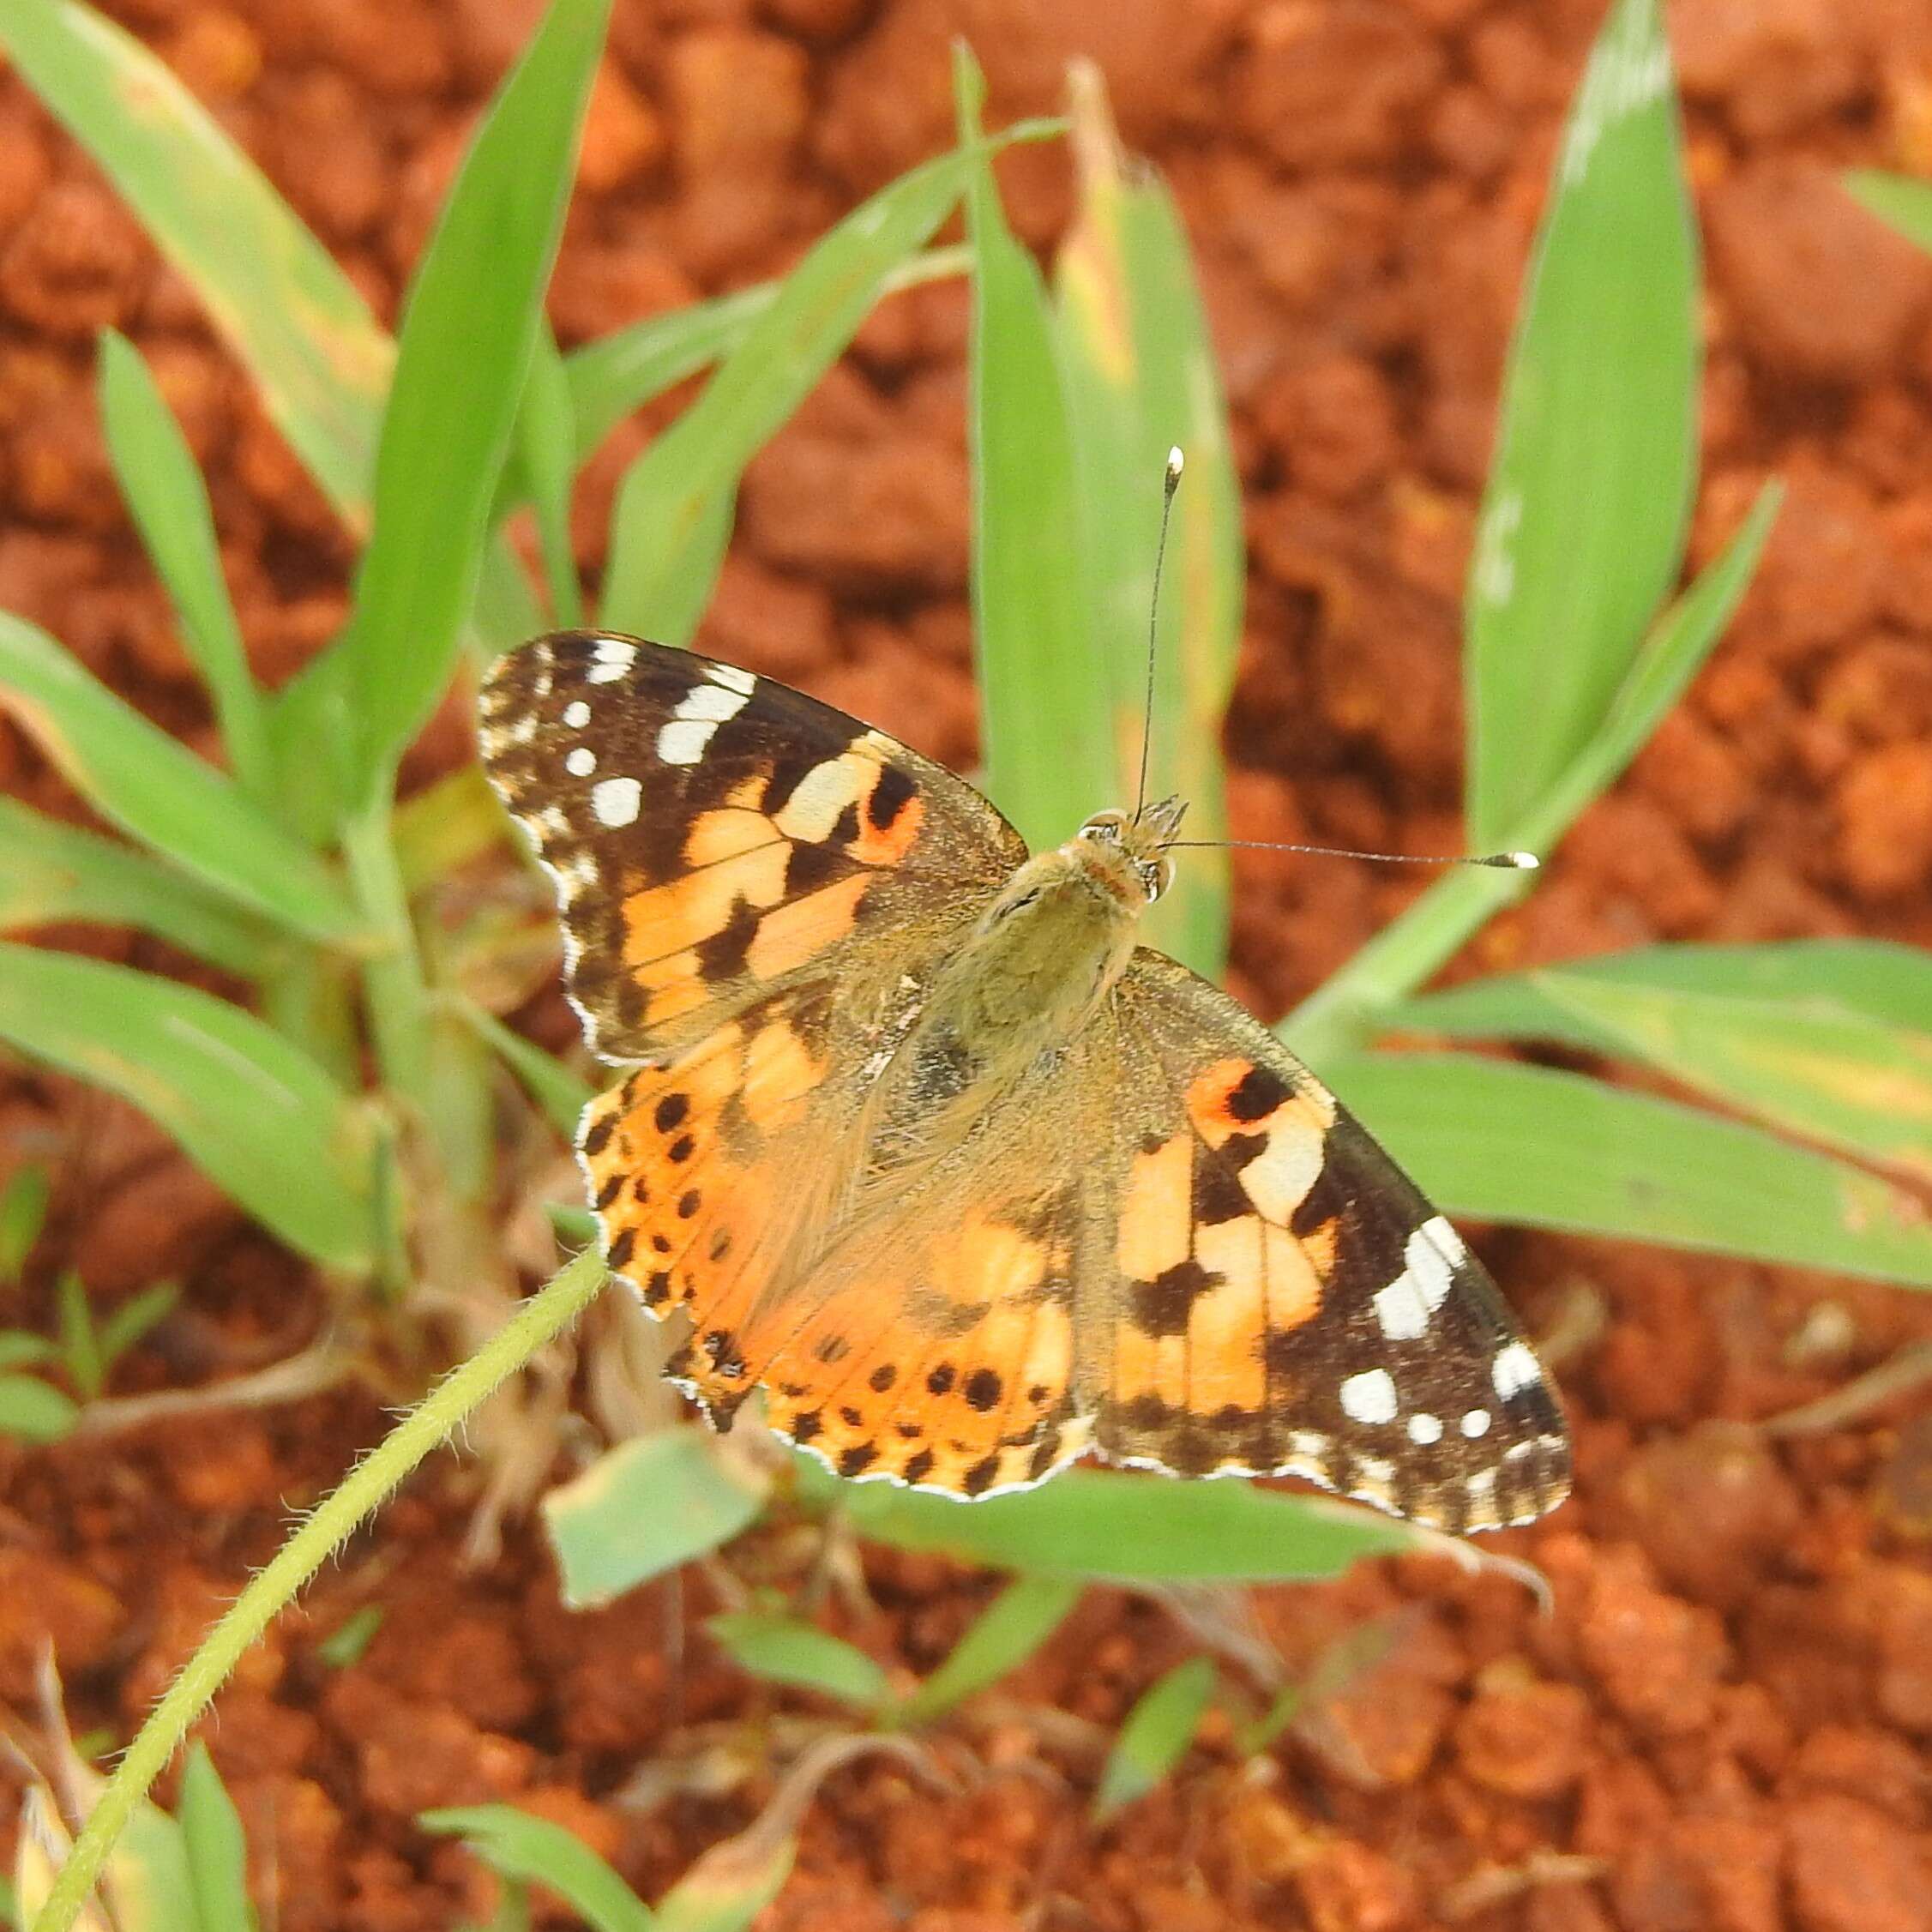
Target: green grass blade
column 609, row 377
column 1503, row 1143
column 158, row 791
column 781, row 1650
column 1582, row 523
column 1814, row 1069
column 562, row 1093
column 23, row 1219
column 1156, row 1736
column 1044, row 738
column 297, row 320
column 79, row 1345
column 217, row 1851
column 32, row 1410
column 1881, row 979
column 1140, row 379
column 135, row 1318
column 55, row 872
column 169, row 500
column 469, row 332
column 673, row 509
column 1396, row 961
column 546, row 445
column 1109, row 1527
column 1900, row 200
column 517, row 1845
column 1000, row 1639
column 254, row 1112
column 646, row 1507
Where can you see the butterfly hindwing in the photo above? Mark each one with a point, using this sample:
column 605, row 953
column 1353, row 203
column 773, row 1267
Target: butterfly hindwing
column 715, row 836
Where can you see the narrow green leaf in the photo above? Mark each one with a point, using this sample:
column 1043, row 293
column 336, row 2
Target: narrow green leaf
column 1000, row 1639
column 298, row 322
column 158, row 791
column 1582, row 523
column 251, row 1109
column 32, row 1410
column 1140, row 379
column 23, row 1214
column 1399, row 959
column 673, row 509
column 135, row 1318
column 622, row 371
column 1881, row 979
column 217, row 1851
column 1155, row 1736
column 783, row 1651
column 562, row 1093
column 56, row 873
column 518, row 1846
column 165, row 492
column 468, row 335
column 1503, row 1143
column 1814, row 1069
column 1109, row 1525
column 645, row 1508
column 19, row 1349
column 609, row 377
column 1901, row 201
column 1040, row 666
column 347, row 1641
column 1674, row 654
column 79, row 1346
column 731, row 1885
column 546, row 442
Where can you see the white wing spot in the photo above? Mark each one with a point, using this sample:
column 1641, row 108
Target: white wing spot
column 682, row 742
column 732, row 678
column 711, row 701
column 580, row 762
column 576, row 714
column 1425, row 1428
column 1475, row 1423
column 612, row 659
column 616, row 800
column 1514, row 1369
column 1403, row 1308
column 1369, row 1397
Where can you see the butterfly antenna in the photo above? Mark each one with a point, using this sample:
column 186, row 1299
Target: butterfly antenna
column 1501, row 861
column 1169, row 482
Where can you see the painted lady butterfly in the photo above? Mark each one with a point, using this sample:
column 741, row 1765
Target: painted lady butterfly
column 932, row 1153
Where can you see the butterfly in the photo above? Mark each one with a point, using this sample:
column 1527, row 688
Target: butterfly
column 929, row 1151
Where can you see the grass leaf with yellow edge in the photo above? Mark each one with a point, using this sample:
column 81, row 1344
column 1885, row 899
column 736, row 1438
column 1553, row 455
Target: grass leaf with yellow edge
column 1140, row 379
column 1812, row 1068
column 1043, row 731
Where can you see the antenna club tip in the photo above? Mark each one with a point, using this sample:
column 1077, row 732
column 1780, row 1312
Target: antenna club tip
column 1176, row 463
column 1522, row 862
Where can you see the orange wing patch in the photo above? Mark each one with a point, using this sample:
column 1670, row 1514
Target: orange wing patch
column 1215, row 1268
column 955, row 1376
column 670, row 1156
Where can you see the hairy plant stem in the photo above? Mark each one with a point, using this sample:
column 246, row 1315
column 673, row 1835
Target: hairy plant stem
column 430, row 1423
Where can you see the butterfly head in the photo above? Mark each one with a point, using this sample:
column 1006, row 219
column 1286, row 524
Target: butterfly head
column 1133, row 845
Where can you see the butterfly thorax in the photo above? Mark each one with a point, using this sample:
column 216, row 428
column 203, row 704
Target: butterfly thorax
column 1039, row 959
